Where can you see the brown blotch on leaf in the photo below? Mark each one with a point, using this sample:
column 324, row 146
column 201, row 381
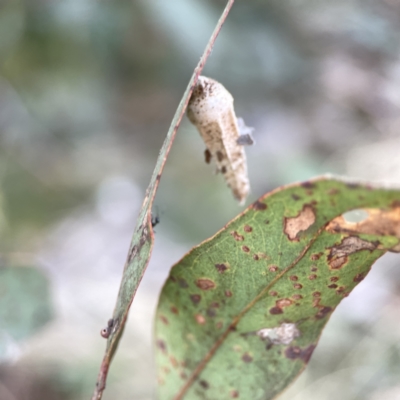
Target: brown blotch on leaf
column 205, row 284
column 275, row 310
column 221, row 268
column 340, row 289
column 247, row 358
column 245, row 249
column 273, row 268
column 259, row 206
column 200, row 319
column 298, row 286
column 195, row 298
column 255, row 257
column 295, row 352
column 314, row 268
column 273, row 293
column 182, row 283
column 300, row 223
column 164, row 319
column 316, row 294
column 174, row 310
column 237, row 237
column 337, row 256
column 294, row 278
column 323, row 312
column 204, row 384
column 295, row 197
column 228, row 293
column 312, row 277
column 248, row 228
column 297, row 297
column 358, row 278
column 334, row 278
column 379, row 222
column 333, row 286
column 234, row 394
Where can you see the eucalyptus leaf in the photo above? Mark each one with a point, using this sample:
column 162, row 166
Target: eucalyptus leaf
column 241, row 314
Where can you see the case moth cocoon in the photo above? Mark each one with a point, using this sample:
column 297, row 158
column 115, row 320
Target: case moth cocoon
column 211, row 110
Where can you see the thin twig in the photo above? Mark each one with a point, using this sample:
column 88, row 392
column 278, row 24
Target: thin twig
column 143, row 237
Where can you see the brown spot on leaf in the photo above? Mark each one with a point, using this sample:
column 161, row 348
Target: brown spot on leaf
column 183, row 375
column 247, row 358
column 295, row 197
column 323, row 312
column 164, row 319
column 295, row 352
column 182, row 283
column 275, row 310
column 228, row 293
column 358, row 278
column 205, row 284
column 237, row 237
column 259, row 206
column 200, row 319
column 337, row 256
column 300, row 223
column 173, row 361
column 174, row 310
column 248, row 228
column 255, row 257
column 297, row 297
column 195, row 298
column 333, row 286
column 211, row 312
column 314, row 268
column 294, row 278
column 316, row 256
column 298, row 286
column 316, row 294
column 308, row 185
column 282, row 303
column 312, row 277
column 273, row 268
column 204, row 384
column 234, row 394
column 245, row 249
column 334, row 278
column 161, row 345
column 221, row 268
column 273, row 293
column 340, row 289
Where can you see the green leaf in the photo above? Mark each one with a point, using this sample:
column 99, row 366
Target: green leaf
column 25, row 304
column 241, row 314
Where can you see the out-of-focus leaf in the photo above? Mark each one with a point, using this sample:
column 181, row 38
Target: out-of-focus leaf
column 241, row 314
column 25, row 304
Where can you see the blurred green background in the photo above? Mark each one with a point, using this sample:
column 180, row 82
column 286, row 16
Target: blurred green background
column 87, row 92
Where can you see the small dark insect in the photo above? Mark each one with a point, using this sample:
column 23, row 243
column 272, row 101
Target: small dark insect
column 155, row 219
column 105, row 332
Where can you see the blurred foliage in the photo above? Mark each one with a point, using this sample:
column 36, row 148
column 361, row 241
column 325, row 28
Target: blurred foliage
column 25, row 304
column 87, row 91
